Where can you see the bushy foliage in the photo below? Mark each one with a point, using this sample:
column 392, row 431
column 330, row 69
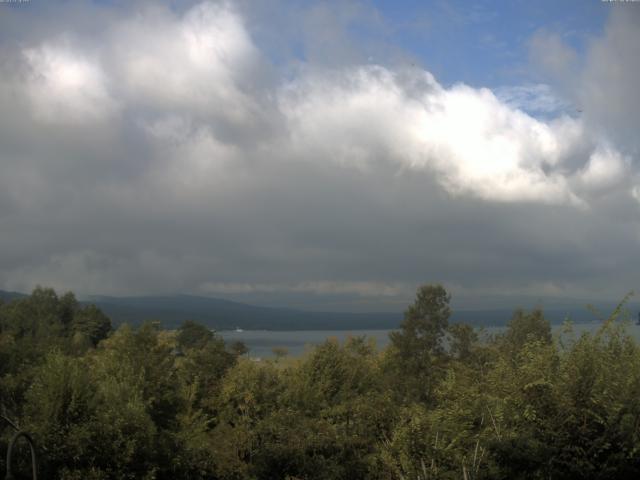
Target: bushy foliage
column 436, row 404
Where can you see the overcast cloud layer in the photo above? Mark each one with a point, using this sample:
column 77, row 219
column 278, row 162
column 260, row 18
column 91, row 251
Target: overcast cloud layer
column 164, row 150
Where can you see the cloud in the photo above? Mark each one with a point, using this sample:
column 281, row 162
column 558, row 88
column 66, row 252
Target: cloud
column 601, row 85
column 196, row 63
column 66, row 87
column 356, row 116
column 190, row 156
column 552, row 55
column 608, row 87
column 606, row 168
column 324, row 287
column 534, row 99
column 475, row 143
column 170, row 152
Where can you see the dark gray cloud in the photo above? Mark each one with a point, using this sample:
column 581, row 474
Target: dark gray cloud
column 169, row 150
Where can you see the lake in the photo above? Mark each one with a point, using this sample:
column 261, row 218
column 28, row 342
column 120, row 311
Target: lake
column 261, row 342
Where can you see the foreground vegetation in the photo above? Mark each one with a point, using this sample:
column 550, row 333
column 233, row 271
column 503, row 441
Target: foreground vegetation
column 147, row 403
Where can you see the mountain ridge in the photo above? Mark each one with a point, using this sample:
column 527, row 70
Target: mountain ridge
column 222, row 314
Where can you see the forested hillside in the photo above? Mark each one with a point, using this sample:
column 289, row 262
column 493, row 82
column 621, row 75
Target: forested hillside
column 149, row 403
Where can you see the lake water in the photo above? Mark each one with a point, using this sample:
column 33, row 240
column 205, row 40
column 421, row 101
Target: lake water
column 262, row 342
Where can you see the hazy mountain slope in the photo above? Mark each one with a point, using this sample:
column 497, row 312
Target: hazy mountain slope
column 224, row 314
column 8, row 296
column 220, row 314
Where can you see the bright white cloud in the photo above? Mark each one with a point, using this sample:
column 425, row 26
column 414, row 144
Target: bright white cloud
column 197, row 63
column 191, row 73
column 66, row 87
column 475, row 143
column 606, row 168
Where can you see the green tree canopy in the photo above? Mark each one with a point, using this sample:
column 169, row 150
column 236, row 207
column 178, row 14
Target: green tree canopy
column 417, row 347
column 193, row 335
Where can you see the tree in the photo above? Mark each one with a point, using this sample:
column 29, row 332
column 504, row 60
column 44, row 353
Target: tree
column 193, row 335
column 238, row 348
column 463, row 337
column 204, row 368
column 417, row 347
column 425, row 322
column 92, row 323
column 526, row 327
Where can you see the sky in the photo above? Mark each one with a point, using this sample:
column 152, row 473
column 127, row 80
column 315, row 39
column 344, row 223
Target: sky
column 321, row 155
